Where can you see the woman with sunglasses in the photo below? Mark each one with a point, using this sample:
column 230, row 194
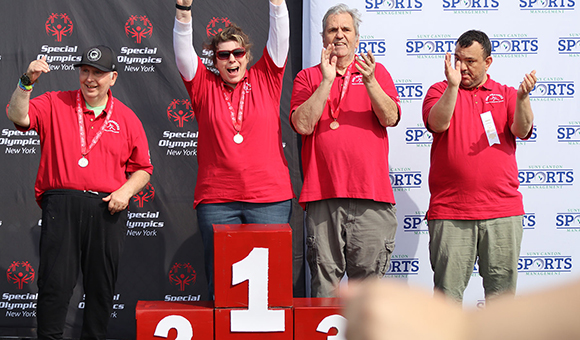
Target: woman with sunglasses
column 242, row 176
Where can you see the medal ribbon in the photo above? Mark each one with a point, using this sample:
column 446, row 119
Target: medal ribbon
column 347, row 75
column 84, row 149
column 237, row 121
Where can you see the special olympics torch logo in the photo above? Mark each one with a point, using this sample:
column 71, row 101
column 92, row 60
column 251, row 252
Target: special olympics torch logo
column 145, row 195
column 216, row 25
column 180, row 111
column 138, row 27
column 20, row 273
column 182, row 274
column 58, row 26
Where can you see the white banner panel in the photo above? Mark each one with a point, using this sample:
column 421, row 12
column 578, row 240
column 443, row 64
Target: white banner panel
column 411, row 37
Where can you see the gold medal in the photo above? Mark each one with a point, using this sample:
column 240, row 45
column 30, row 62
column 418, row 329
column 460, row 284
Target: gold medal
column 334, row 125
column 238, row 139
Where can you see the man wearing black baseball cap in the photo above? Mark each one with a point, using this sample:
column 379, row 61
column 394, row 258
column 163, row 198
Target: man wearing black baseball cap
column 94, row 158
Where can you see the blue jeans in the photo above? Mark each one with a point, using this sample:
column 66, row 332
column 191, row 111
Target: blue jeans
column 235, row 213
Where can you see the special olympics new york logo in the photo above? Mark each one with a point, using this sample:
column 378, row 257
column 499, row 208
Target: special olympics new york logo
column 145, row 195
column 59, row 25
column 216, row 25
column 20, row 273
column 180, row 111
column 182, row 274
column 138, row 27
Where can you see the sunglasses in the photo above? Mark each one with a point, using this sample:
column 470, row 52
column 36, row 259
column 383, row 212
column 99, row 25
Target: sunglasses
column 225, row 55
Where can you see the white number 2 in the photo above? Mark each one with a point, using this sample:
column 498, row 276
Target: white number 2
column 257, row 318
column 181, row 324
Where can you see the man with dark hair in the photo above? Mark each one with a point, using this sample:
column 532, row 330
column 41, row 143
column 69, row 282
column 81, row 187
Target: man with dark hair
column 475, row 210
column 342, row 108
column 94, row 158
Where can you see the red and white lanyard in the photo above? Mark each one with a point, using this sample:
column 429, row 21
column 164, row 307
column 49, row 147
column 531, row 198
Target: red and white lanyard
column 334, row 124
column 83, row 161
column 236, row 119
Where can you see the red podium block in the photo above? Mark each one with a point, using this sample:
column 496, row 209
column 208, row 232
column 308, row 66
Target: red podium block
column 166, row 320
column 317, row 318
column 252, row 261
column 223, row 329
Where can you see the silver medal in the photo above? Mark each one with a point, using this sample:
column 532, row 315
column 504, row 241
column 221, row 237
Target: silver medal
column 238, row 139
column 83, row 162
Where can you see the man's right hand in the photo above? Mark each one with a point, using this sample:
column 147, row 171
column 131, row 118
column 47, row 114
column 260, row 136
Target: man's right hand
column 36, row 68
column 328, row 63
column 452, row 74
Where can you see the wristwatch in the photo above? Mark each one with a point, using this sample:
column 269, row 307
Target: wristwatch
column 25, row 80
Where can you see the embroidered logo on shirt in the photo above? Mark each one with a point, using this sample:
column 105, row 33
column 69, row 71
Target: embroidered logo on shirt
column 357, row 79
column 112, row 126
column 494, row 98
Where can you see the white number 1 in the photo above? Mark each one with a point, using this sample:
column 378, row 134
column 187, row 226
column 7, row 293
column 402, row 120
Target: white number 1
column 257, row 318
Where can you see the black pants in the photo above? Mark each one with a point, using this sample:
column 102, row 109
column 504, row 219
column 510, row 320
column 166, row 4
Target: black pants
column 77, row 232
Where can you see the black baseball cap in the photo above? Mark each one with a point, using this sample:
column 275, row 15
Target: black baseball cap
column 101, row 57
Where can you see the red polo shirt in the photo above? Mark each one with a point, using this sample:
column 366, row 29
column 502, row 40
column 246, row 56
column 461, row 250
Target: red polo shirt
column 121, row 149
column 468, row 179
column 353, row 160
column 256, row 170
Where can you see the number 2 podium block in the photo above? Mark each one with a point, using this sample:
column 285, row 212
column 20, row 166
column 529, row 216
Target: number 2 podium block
column 318, row 319
column 258, row 257
column 165, row 320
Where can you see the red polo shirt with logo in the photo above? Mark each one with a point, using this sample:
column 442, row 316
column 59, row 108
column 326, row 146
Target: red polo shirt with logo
column 353, row 160
column 255, row 170
column 468, row 179
column 122, row 148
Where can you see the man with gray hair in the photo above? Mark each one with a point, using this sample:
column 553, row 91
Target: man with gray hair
column 342, row 107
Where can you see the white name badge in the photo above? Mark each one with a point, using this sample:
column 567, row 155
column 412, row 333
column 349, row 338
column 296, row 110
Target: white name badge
column 489, row 127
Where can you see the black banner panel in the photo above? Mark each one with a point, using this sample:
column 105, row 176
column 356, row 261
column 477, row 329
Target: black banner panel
column 163, row 254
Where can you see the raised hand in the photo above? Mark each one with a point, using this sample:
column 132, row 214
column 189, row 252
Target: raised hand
column 328, row 63
column 184, row 2
column 527, row 84
column 36, row 68
column 453, row 74
column 366, row 64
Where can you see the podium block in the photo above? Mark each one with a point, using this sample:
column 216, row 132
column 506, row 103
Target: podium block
column 253, row 262
column 166, row 320
column 223, row 327
column 318, row 319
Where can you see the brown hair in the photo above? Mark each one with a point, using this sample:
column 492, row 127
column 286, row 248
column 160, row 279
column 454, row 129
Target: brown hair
column 231, row 33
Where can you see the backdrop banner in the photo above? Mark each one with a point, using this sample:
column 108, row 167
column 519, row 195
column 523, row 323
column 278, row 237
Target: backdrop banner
column 163, row 255
column 411, row 37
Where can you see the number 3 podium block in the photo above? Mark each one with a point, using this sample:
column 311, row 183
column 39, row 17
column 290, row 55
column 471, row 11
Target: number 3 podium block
column 253, row 281
column 318, row 319
column 174, row 320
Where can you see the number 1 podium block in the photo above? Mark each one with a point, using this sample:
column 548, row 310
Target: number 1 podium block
column 253, row 281
column 318, row 319
column 186, row 320
column 259, row 259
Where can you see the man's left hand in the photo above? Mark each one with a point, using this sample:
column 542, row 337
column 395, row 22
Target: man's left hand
column 118, row 201
column 527, row 84
column 365, row 64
